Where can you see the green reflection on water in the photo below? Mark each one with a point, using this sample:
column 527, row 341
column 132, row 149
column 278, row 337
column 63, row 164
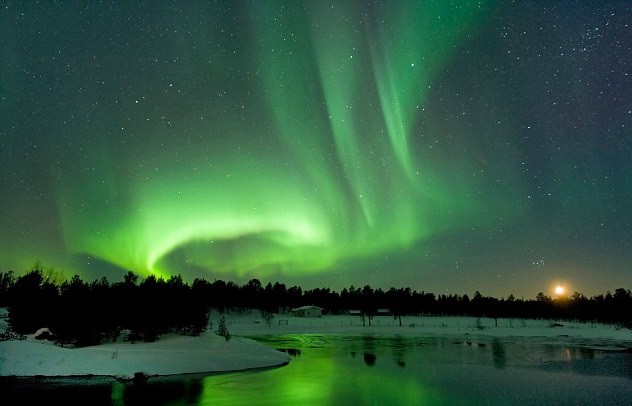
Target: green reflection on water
column 336, row 374
column 117, row 394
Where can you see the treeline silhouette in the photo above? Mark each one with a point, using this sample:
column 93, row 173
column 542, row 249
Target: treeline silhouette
column 90, row 313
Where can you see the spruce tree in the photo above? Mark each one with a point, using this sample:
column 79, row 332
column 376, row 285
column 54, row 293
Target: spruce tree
column 222, row 330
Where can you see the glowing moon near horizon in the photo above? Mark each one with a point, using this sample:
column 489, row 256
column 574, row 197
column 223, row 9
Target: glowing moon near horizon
column 559, row 290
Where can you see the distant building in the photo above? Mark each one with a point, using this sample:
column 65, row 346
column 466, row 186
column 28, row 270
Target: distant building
column 307, row 311
column 384, row 312
column 355, row 312
column 43, row 334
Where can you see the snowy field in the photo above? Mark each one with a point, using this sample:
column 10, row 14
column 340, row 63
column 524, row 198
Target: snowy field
column 251, row 323
column 173, row 354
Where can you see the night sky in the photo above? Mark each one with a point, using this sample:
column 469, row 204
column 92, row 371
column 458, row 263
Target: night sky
column 449, row 146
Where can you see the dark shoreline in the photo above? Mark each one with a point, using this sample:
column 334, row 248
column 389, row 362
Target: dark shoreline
column 95, row 380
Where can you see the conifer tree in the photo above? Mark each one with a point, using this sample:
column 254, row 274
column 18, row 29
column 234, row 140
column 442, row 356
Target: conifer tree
column 222, row 330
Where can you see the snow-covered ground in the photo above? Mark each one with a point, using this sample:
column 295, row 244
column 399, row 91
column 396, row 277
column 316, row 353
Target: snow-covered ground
column 171, row 355
column 174, row 354
column 250, row 323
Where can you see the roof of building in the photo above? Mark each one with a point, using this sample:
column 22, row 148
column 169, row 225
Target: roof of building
column 309, row 307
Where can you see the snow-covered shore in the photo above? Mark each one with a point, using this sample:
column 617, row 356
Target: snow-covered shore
column 171, row 355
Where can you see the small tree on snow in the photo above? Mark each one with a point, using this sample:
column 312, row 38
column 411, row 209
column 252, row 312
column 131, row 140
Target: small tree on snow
column 222, row 330
column 267, row 317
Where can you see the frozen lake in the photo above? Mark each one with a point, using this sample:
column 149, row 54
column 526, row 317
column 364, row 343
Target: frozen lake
column 378, row 370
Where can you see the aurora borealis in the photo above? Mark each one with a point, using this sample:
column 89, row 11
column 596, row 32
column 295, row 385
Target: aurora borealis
column 445, row 146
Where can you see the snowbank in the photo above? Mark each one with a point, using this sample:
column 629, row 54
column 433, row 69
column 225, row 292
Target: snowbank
column 171, row 355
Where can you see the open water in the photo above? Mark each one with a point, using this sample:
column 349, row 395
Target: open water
column 375, row 370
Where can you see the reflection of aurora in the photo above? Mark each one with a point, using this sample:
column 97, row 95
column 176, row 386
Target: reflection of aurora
column 316, row 161
column 324, row 381
column 438, row 371
column 334, row 370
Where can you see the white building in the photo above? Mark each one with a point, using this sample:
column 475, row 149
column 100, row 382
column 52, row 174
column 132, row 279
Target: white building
column 307, row 311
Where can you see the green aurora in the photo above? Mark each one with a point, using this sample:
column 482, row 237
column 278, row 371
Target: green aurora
column 277, row 140
column 313, row 185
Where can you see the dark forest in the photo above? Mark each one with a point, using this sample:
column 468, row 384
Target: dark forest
column 86, row 313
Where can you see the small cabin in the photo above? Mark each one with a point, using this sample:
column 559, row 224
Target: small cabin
column 307, row 311
column 43, row 334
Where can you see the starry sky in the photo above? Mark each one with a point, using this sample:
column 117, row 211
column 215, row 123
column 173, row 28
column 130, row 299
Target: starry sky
column 446, row 146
